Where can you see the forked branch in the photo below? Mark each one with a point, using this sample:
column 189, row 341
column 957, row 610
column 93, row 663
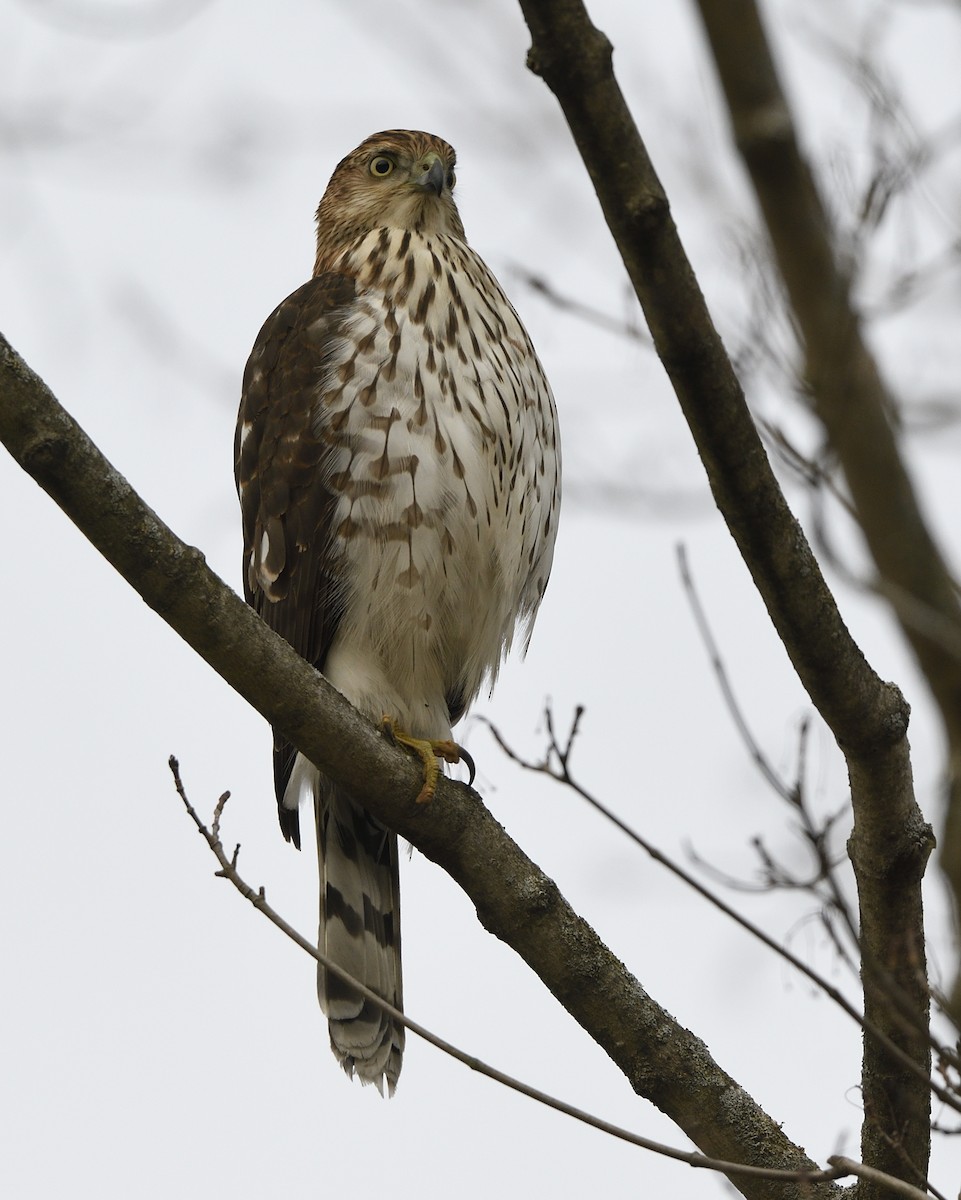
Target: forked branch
column 867, row 717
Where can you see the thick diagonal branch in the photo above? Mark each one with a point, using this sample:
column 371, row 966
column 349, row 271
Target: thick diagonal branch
column 513, row 897
column 867, row 717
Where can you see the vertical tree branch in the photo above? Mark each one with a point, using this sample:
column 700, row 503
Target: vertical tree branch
column 867, row 717
column 886, row 845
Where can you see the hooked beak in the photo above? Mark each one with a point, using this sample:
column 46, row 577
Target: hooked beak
column 432, row 175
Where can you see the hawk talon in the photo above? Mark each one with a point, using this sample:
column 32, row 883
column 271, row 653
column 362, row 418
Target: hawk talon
column 428, row 750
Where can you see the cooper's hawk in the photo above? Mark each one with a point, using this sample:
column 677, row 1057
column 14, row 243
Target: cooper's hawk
column 398, row 467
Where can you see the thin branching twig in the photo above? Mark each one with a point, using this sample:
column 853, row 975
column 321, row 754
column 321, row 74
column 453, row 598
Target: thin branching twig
column 556, row 765
column 257, row 897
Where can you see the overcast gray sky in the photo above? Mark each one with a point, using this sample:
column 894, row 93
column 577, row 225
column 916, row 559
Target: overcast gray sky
column 160, row 168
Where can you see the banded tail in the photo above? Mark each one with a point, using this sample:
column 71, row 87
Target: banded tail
column 359, row 931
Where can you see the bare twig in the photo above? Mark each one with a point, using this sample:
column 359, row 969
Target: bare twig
column 592, row 316
column 790, row 793
column 815, row 835
column 561, row 753
column 888, row 1182
column 257, row 897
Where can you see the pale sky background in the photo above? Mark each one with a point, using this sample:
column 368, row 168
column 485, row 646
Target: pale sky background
column 160, row 167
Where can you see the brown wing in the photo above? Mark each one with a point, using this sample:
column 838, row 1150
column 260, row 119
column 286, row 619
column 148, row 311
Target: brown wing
column 280, row 465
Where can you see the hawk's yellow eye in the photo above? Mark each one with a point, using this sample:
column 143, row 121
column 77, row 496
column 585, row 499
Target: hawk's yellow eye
column 381, row 166
column 451, row 180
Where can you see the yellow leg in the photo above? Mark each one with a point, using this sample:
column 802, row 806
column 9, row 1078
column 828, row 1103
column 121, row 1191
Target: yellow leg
column 428, row 751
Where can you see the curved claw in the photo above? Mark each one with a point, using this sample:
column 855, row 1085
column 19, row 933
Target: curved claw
column 466, row 758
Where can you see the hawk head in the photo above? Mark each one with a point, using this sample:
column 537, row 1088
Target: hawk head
column 400, row 179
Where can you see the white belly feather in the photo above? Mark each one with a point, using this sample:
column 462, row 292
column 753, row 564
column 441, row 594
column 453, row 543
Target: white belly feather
column 445, row 468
